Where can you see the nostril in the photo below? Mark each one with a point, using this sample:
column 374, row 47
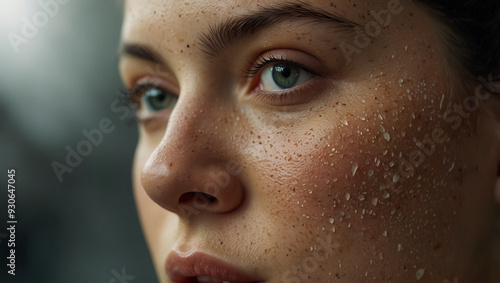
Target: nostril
column 197, row 199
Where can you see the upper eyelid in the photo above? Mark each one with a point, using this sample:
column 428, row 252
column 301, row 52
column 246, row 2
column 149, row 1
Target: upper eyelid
column 263, row 61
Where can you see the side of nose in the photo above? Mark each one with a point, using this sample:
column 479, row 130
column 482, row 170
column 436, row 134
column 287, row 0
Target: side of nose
column 191, row 170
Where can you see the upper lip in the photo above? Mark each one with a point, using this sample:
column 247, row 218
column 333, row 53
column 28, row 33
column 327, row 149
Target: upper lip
column 185, row 267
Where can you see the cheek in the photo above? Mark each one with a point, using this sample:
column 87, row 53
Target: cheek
column 382, row 182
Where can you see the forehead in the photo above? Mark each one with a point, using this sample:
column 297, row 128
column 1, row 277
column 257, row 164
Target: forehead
column 182, row 20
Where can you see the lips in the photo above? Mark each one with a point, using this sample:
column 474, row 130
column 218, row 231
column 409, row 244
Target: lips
column 199, row 267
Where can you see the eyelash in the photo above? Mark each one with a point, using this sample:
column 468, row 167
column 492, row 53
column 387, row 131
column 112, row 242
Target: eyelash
column 132, row 99
column 255, row 67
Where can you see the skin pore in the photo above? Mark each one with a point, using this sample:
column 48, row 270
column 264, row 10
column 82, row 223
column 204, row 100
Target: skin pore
column 369, row 168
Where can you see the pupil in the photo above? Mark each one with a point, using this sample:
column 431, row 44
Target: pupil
column 285, row 76
column 285, row 72
column 156, row 98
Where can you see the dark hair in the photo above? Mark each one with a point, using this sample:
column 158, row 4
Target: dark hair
column 474, row 37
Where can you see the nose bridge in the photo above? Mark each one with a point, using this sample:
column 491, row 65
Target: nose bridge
column 189, row 167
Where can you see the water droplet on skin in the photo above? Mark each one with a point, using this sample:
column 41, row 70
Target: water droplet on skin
column 354, row 169
column 395, row 179
column 386, row 195
column 333, row 229
column 385, row 233
column 420, row 273
column 452, row 166
column 384, row 153
column 331, row 220
column 374, row 201
column 344, row 121
column 387, row 137
column 347, row 196
column 370, row 173
column 400, row 247
column 361, row 197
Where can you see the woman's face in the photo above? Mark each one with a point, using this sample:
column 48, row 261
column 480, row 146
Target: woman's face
column 307, row 141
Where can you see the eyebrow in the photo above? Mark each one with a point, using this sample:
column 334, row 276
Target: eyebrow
column 223, row 35
column 139, row 51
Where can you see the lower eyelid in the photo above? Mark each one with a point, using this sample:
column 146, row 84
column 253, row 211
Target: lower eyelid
column 301, row 94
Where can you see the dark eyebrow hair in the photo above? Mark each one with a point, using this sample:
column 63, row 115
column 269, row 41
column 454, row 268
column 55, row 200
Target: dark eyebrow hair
column 225, row 34
column 140, row 51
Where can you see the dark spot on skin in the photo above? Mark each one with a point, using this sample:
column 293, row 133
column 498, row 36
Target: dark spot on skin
column 437, row 246
column 187, row 46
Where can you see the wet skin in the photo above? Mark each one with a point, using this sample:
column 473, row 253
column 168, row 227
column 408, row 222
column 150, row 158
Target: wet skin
column 364, row 171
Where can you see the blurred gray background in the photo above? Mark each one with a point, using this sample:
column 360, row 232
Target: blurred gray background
column 62, row 80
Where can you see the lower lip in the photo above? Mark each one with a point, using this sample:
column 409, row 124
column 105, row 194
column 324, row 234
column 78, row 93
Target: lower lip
column 185, row 268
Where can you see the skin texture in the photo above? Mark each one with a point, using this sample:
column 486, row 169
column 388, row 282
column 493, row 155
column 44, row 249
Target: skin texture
column 310, row 188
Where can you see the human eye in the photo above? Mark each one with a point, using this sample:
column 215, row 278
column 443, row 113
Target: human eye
column 151, row 99
column 283, row 76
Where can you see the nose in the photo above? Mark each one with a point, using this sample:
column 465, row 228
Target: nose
column 192, row 171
